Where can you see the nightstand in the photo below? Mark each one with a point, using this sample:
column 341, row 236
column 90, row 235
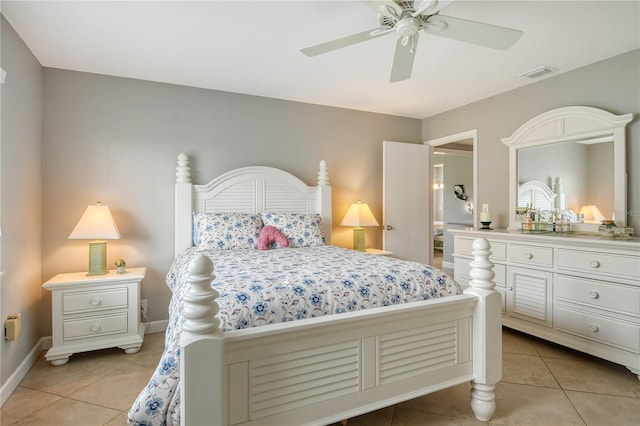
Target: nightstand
column 378, row 252
column 95, row 312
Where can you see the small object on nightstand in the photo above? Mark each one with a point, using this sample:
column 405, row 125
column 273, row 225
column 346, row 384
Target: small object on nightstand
column 121, row 266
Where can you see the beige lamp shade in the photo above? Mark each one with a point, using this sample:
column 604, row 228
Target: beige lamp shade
column 96, row 223
column 359, row 215
column 591, row 214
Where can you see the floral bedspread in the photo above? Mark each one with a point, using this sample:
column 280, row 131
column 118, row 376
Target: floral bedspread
column 265, row 287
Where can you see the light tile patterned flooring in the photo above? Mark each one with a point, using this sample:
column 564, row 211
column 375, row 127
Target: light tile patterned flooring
column 543, row 384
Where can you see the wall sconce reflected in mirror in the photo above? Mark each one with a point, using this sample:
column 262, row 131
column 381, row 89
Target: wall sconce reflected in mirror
column 458, row 191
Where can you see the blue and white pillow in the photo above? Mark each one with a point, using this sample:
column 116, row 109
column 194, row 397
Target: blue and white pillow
column 226, row 231
column 301, row 229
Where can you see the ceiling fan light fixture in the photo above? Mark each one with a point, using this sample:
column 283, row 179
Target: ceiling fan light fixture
column 537, row 72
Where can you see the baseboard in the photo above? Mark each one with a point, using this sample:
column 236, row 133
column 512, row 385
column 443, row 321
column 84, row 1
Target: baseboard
column 45, row 343
column 14, row 380
column 155, row 326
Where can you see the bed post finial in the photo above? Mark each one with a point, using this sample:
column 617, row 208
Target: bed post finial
column 487, row 332
column 323, row 174
column 183, row 171
column 200, row 306
column 481, row 267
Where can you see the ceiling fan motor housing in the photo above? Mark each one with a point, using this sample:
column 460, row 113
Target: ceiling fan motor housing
column 408, row 26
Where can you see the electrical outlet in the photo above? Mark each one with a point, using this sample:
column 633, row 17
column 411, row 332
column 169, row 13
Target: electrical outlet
column 13, row 327
column 144, row 313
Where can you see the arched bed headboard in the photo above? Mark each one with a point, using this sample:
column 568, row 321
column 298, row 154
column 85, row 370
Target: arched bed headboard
column 536, row 193
column 252, row 189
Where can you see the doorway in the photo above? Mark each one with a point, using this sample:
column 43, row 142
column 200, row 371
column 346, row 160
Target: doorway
column 454, row 163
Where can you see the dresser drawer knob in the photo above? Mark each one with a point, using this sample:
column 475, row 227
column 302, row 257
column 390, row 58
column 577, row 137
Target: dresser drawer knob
column 594, row 294
column 95, row 301
column 95, row 328
column 593, row 328
column 595, row 264
column 528, row 255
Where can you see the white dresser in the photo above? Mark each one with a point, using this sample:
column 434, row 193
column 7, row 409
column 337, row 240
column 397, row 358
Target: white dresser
column 575, row 290
column 95, row 312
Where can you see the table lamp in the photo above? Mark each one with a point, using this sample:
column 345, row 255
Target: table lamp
column 359, row 215
column 96, row 224
column 591, row 214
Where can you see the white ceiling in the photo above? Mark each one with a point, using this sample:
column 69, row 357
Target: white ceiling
column 252, row 47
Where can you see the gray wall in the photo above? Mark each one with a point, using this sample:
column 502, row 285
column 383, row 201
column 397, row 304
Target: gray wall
column 458, row 169
column 612, row 85
column 20, row 192
column 116, row 140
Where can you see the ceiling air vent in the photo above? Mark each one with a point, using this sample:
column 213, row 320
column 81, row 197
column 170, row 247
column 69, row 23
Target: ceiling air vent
column 537, row 72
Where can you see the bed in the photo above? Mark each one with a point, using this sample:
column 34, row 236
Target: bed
column 239, row 352
column 545, row 199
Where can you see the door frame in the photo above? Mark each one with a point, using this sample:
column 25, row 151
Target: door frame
column 469, row 134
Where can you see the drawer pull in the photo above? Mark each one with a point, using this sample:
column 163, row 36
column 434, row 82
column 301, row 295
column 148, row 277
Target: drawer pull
column 593, row 328
column 95, row 301
column 528, row 255
column 95, row 328
column 594, row 294
column 595, row 264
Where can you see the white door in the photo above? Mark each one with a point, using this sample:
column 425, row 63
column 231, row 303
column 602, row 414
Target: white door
column 406, row 194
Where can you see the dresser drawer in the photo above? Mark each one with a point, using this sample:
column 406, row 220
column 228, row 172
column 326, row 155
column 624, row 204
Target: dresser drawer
column 598, row 294
column 464, row 246
column 599, row 263
column 94, row 326
column 97, row 300
column 531, row 255
column 605, row 330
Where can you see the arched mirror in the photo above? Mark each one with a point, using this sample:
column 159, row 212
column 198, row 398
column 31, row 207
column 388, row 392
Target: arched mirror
column 567, row 159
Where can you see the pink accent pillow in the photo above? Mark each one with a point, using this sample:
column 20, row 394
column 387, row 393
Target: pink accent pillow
column 269, row 235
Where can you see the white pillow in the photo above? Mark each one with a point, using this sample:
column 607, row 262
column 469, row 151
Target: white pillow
column 301, row 229
column 226, row 231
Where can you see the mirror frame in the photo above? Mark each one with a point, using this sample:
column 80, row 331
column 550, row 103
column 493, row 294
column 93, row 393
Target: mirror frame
column 568, row 124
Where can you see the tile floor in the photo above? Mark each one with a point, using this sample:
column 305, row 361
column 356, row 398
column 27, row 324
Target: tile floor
column 543, row 384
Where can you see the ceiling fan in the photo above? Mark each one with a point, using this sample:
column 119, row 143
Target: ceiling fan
column 407, row 18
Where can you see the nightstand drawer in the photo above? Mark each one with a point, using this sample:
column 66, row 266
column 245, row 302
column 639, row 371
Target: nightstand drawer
column 531, row 255
column 94, row 326
column 89, row 301
column 598, row 294
column 599, row 263
column 608, row 331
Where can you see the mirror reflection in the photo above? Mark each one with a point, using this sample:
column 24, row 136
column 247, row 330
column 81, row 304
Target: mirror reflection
column 567, row 176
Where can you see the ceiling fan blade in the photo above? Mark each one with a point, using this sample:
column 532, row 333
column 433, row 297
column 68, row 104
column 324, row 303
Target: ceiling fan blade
column 403, row 58
column 479, row 33
column 329, row 46
column 429, row 7
column 388, row 7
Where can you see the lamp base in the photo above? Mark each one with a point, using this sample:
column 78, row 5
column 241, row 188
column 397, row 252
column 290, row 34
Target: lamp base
column 358, row 239
column 97, row 257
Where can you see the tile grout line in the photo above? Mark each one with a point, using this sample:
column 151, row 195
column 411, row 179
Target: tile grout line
column 563, row 390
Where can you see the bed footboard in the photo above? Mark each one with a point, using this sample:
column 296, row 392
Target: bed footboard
column 322, row 370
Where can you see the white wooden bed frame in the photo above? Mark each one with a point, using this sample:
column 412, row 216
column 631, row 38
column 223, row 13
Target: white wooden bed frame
column 327, row 369
column 537, row 194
